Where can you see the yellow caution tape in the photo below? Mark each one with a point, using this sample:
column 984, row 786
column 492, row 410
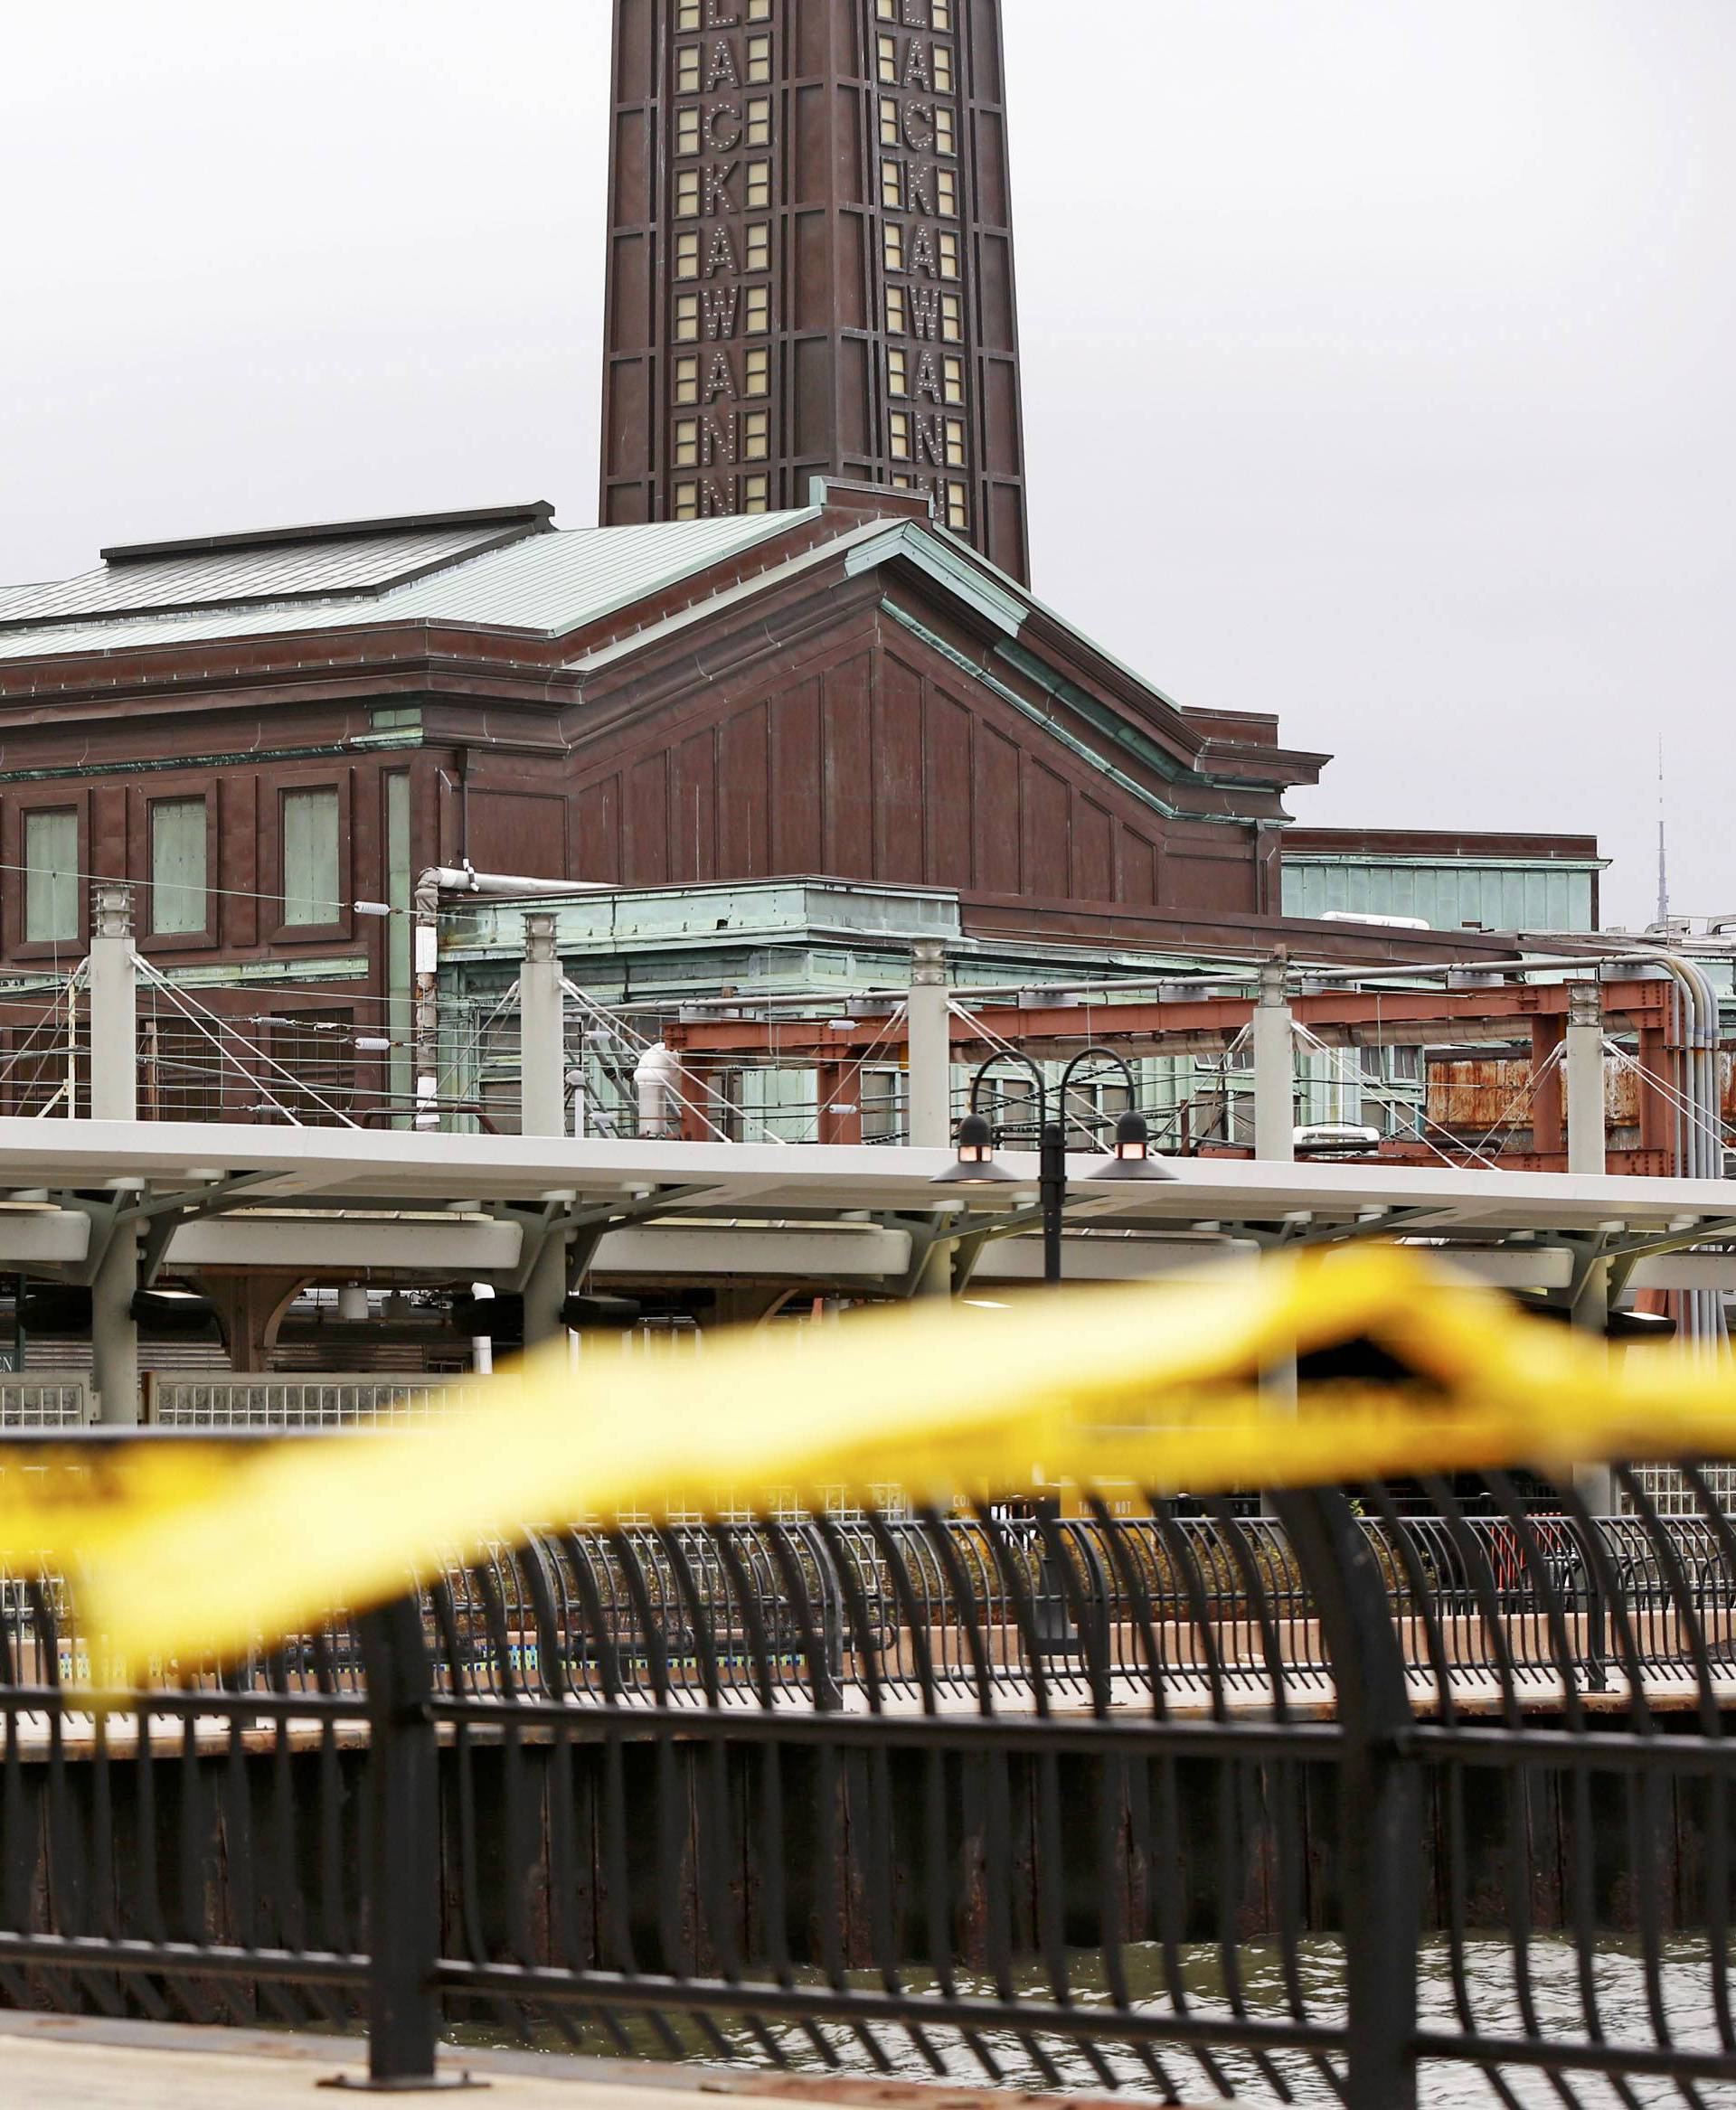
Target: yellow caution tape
column 185, row 1550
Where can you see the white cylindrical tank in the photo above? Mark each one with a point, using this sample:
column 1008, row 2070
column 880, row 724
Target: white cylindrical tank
column 656, row 1087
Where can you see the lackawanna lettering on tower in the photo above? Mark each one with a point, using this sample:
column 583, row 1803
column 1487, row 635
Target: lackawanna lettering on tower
column 810, row 264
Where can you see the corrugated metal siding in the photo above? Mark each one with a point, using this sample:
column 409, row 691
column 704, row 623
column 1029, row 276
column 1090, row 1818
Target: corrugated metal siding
column 1447, row 894
column 550, row 583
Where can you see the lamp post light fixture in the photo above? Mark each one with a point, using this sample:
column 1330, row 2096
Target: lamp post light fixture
column 1131, row 1158
column 975, row 1165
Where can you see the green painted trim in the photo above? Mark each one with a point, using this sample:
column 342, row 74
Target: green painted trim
column 1105, row 721
column 224, row 976
column 156, row 765
column 1379, row 861
column 959, row 571
column 1029, row 710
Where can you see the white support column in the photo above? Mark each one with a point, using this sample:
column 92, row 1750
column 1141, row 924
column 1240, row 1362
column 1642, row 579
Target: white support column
column 1584, row 1067
column 114, row 1008
column 1596, row 1482
column 930, row 1047
column 1274, row 1046
column 113, row 1097
column 543, row 1058
column 542, row 1032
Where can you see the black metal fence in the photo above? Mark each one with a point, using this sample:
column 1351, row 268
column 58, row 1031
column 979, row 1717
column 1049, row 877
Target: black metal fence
column 1300, row 1807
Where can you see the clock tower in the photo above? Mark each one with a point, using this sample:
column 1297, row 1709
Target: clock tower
column 810, row 263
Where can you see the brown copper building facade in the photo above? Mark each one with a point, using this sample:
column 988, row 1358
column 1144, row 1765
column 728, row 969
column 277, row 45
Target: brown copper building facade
column 810, row 263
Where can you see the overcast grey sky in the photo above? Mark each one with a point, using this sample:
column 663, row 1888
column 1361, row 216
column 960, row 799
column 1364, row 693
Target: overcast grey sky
column 1379, row 352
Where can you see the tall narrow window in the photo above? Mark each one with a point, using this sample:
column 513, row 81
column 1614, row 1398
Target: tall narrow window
column 178, row 875
column 310, row 876
column 51, row 877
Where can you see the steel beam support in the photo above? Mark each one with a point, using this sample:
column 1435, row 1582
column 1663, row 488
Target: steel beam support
column 930, row 1047
column 1274, row 1044
column 543, row 1056
column 113, row 1097
column 1547, row 1139
column 542, row 1032
column 1592, row 1292
column 1587, row 1137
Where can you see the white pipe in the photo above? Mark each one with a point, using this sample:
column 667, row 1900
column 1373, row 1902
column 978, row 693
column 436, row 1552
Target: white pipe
column 657, row 1080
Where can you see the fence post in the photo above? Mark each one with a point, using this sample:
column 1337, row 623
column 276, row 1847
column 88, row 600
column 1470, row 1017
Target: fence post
column 403, row 1881
column 1381, row 1798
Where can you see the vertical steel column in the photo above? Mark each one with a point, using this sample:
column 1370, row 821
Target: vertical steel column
column 1546, row 1135
column 542, row 1032
column 1274, row 1044
column 1586, row 1136
column 113, row 1097
column 403, row 1872
column 1381, row 1798
column 542, row 1088
column 929, row 1019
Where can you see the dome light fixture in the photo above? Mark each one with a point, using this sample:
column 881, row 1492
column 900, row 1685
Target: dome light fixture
column 1132, row 1158
column 974, row 1164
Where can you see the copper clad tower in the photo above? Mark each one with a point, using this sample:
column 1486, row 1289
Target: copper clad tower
column 810, row 264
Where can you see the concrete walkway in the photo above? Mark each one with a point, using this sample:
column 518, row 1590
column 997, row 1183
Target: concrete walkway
column 60, row 2062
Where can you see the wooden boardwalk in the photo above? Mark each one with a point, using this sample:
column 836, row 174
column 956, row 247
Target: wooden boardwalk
column 72, row 2063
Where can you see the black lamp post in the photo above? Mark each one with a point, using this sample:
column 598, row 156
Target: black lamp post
column 1052, row 1139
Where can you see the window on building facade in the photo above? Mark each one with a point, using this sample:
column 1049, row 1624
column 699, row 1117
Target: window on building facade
column 758, row 185
column 946, row 133
column 687, row 318
column 756, row 434
column 942, row 13
column 759, row 58
column 895, row 235
column 687, row 138
column 887, row 50
column 950, row 253
column 687, row 443
column 889, row 132
column 898, row 312
column 755, row 494
column 892, row 185
column 897, row 372
column 953, row 371
column 687, row 254
column 901, row 431
column 955, row 443
column 687, row 69
column 756, row 373
column 178, row 875
column 687, row 501
column 687, row 193
column 952, row 318
column 760, row 247
column 760, row 121
column 758, row 10
column 52, row 876
column 946, row 192
column 758, row 309
column 686, row 379
column 942, row 69
column 311, row 892
column 958, row 507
